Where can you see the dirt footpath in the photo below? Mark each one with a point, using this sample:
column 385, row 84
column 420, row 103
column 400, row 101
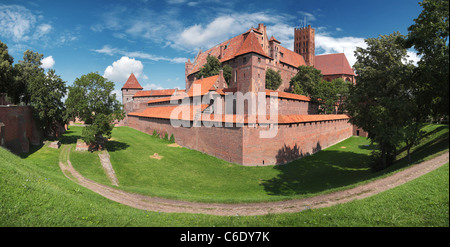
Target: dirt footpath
column 243, row 209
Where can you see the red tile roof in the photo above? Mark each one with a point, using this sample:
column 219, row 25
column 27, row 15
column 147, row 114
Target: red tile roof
column 273, row 39
column 132, row 83
column 231, row 48
column 164, row 112
column 206, row 85
column 250, row 44
column 288, row 95
column 291, row 58
column 163, row 92
column 333, row 64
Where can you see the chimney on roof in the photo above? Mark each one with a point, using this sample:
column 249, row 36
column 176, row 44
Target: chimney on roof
column 221, row 80
column 221, row 52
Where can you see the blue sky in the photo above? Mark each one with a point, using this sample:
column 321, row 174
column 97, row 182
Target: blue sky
column 153, row 39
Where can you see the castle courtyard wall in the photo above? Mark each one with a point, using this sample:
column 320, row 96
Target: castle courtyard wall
column 292, row 141
column 18, row 129
column 243, row 145
column 223, row 143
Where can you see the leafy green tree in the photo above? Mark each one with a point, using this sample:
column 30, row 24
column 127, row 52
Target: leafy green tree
column 326, row 97
column 380, row 100
column 6, row 69
column 26, row 70
column 273, row 79
column 227, row 70
column 91, row 99
column 342, row 90
column 47, row 92
column 306, row 80
column 430, row 36
column 212, row 67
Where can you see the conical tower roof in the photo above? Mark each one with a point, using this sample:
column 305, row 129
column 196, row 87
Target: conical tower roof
column 132, row 83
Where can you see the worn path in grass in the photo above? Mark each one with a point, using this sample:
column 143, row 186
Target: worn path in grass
column 296, row 205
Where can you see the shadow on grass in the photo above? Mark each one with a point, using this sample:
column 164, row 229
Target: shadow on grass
column 113, row 146
column 324, row 170
column 330, row 169
column 69, row 137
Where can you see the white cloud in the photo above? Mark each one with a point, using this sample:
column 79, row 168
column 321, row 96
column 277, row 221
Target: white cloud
column 412, row 56
column 42, row 30
column 118, row 94
column 47, row 62
column 121, row 69
column 16, row 22
column 108, row 50
column 346, row 45
column 309, row 16
column 220, row 29
column 152, row 86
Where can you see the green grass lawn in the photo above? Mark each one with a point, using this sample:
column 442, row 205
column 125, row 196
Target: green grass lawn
column 191, row 175
column 34, row 192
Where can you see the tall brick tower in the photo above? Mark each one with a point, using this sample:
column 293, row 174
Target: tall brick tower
column 304, row 43
column 130, row 88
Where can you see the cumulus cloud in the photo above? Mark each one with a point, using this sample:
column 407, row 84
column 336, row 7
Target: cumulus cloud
column 152, row 86
column 20, row 24
column 347, row 45
column 47, row 62
column 16, row 22
column 412, row 56
column 121, row 69
column 222, row 28
column 108, row 50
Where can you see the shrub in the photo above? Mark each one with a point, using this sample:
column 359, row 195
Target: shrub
column 172, row 139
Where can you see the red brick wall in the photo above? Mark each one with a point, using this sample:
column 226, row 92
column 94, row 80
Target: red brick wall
column 19, row 128
column 292, row 142
column 244, row 146
column 223, row 143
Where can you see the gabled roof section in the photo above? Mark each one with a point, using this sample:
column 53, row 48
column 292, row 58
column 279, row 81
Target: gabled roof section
column 273, row 39
column 333, row 64
column 132, row 83
column 155, row 93
column 251, row 44
column 229, row 47
column 207, row 84
column 291, row 58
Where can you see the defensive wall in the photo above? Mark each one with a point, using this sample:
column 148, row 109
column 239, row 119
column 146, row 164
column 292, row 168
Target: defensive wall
column 243, row 145
column 17, row 128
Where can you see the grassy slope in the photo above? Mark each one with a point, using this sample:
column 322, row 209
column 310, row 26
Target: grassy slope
column 34, row 192
column 190, row 175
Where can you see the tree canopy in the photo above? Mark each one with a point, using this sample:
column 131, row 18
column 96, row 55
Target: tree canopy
column 212, row 67
column 6, row 68
column 327, row 95
column 306, row 80
column 91, row 99
column 46, row 94
column 273, row 79
column 380, row 101
column 429, row 35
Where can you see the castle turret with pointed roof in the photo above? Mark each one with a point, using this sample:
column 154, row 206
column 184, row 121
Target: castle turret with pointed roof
column 130, row 88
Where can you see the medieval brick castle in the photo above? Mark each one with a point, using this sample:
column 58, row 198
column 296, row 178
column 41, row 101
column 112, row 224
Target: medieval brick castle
column 235, row 135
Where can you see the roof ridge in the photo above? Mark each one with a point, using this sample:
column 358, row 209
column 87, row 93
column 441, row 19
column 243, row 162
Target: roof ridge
column 250, row 44
column 132, row 83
